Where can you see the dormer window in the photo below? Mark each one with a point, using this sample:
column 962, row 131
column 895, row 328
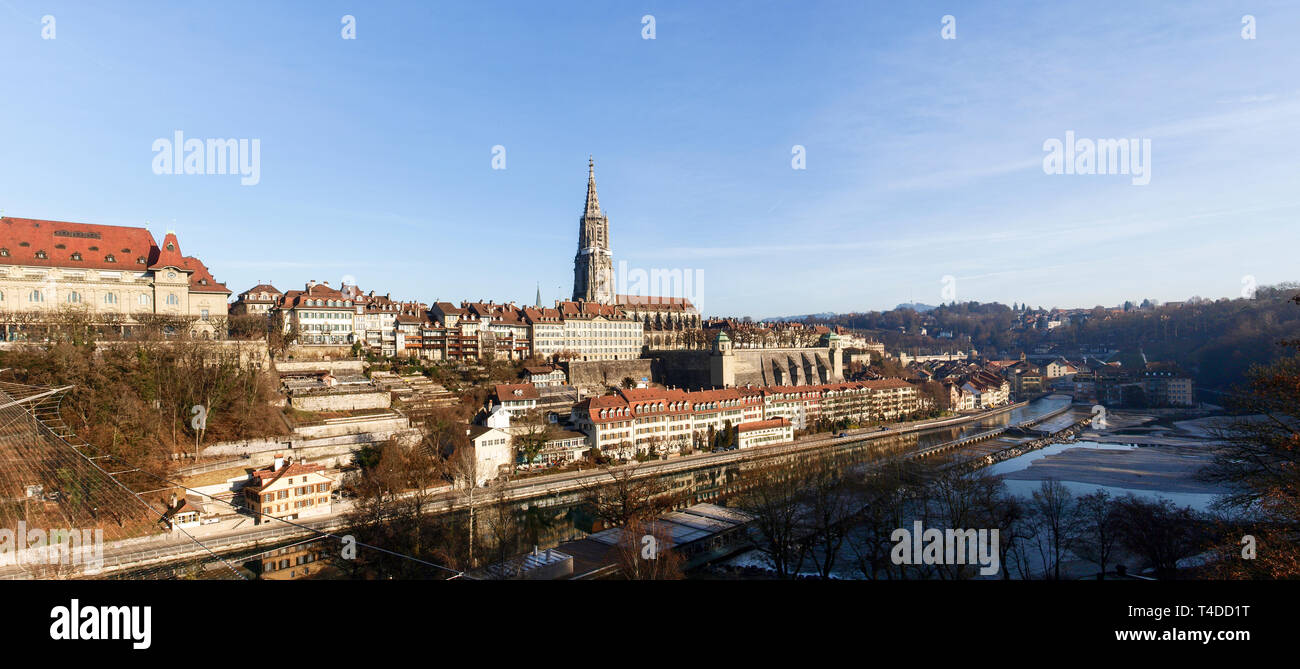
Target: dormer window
column 140, row 260
column 4, row 253
column 76, row 255
column 110, row 258
column 171, row 246
column 41, row 255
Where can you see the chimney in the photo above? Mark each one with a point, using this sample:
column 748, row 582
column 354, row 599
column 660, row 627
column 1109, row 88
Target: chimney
column 279, row 462
column 311, row 283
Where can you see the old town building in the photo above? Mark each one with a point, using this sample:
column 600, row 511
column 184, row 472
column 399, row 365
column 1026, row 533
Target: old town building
column 114, row 276
column 288, row 490
column 258, row 300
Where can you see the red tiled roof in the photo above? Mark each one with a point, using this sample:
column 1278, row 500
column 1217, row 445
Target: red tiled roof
column 269, row 474
column 104, row 247
column 506, row 391
column 295, row 298
column 262, row 288
column 169, row 255
column 201, row 280
column 763, row 424
column 22, row 238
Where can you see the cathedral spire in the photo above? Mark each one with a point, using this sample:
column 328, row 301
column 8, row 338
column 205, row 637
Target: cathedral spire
column 593, row 270
column 593, row 202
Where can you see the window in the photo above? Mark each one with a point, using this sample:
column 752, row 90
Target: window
column 110, row 298
column 41, row 255
column 36, row 296
column 110, row 258
column 171, row 299
column 4, row 253
column 76, row 255
column 144, row 300
column 203, row 313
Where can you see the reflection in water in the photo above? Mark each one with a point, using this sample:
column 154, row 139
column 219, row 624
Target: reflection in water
column 565, row 518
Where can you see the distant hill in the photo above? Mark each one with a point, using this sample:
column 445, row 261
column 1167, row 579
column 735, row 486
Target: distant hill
column 823, row 315
column 915, row 306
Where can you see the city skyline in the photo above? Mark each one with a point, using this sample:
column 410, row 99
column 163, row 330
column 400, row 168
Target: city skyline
column 378, row 152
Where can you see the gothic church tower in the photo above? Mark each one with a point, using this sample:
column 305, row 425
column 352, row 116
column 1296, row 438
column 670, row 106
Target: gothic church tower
column 593, row 267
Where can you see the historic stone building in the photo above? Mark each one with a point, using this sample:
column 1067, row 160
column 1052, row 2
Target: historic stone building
column 114, row 276
column 668, row 322
column 593, row 266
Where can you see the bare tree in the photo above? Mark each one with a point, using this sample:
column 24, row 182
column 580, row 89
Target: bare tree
column 771, row 493
column 531, row 433
column 624, row 496
column 1052, row 506
column 462, row 468
column 830, row 503
column 1098, row 530
column 1158, row 532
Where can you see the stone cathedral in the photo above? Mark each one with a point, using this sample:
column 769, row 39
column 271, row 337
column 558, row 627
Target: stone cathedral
column 593, row 267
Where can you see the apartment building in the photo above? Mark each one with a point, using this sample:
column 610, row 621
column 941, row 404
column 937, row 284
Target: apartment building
column 988, row 389
column 858, row 401
column 322, row 315
column 764, row 432
column 1167, row 386
column 258, row 300
column 517, row 398
column 595, row 331
column 660, row 420
column 503, row 329
column 288, row 490
column 547, row 330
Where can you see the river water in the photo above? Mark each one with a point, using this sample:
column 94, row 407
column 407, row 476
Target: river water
column 565, row 518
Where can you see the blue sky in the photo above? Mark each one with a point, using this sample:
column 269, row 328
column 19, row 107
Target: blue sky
column 924, row 155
